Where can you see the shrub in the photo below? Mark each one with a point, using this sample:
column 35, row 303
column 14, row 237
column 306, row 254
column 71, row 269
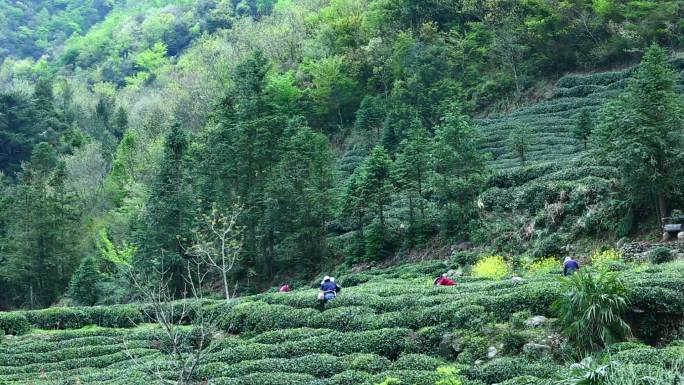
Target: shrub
column 351, row 318
column 370, row 363
column 591, row 309
column 119, row 316
column 413, row 377
column 14, row 323
column 465, row 258
column 260, row 317
column 512, row 341
column 519, row 319
column 505, row 368
column 416, row 362
column 526, row 380
column 448, row 375
column 544, row 265
column 602, row 260
column 280, row 336
column 59, row 318
column 349, row 377
column 273, row 378
column 660, row 255
column 492, row 267
column 630, row 374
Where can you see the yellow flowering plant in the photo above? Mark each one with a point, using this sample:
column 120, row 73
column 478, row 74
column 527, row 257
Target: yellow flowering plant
column 544, row 265
column 602, row 260
column 492, row 267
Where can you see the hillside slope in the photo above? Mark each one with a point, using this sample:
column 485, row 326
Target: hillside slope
column 386, row 323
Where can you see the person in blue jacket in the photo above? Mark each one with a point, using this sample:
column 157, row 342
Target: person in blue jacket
column 329, row 289
column 569, row 266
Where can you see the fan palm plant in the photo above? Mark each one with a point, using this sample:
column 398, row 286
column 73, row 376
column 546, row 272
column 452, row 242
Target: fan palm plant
column 591, row 309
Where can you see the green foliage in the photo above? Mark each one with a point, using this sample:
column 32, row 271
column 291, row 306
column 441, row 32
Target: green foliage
column 591, row 309
column 83, row 284
column 640, row 133
column 520, row 141
column 357, row 340
column 14, row 323
column 544, row 266
column 603, row 260
column 459, row 171
column 40, row 257
column 584, row 127
column 661, row 255
column 119, row 257
column 506, row 368
column 449, row 375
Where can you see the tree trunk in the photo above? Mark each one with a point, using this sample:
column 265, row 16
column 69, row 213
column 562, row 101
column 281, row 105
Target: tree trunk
column 225, row 284
column 662, row 208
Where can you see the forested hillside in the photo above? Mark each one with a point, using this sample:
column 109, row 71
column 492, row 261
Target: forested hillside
column 295, row 136
column 167, row 165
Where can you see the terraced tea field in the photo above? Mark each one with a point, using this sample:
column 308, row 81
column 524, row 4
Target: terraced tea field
column 386, row 323
column 550, row 121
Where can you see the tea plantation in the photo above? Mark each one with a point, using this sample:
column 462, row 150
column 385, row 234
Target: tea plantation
column 386, row 323
column 558, row 195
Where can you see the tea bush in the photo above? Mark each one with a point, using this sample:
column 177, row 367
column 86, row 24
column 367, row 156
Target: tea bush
column 416, row 362
column 389, row 326
column 506, row 368
column 14, row 323
column 661, row 255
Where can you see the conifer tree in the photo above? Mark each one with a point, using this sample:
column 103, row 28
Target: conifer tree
column 520, row 141
column 642, row 135
column 41, row 247
column 83, row 284
column 583, row 128
column 169, row 208
column 459, row 171
column 412, row 175
column 298, row 196
column 241, row 152
column 375, row 188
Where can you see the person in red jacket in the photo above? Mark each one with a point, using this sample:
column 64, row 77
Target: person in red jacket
column 444, row 281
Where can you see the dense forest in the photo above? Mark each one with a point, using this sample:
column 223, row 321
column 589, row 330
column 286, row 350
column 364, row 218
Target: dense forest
column 320, row 133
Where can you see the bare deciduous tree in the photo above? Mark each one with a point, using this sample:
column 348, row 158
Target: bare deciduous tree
column 219, row 242
column 185, row 348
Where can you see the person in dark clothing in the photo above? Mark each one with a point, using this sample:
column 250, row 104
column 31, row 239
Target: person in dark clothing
column 329, row 289
column 444, row 281
column 570, row 266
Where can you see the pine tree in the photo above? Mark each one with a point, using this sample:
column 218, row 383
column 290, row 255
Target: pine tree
column 641, row 134
column 459, row 172
column 48, row 123
column 354, row 209
column 240, row 153
column 412, row 174
column 18, row 131
column 375, row 188
column 298, row 197
column 520, row 141
column 83, row 283
column 120, row 124
column 583, row 128
column 169, row 208
column 41, row 255
column 369, row 117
